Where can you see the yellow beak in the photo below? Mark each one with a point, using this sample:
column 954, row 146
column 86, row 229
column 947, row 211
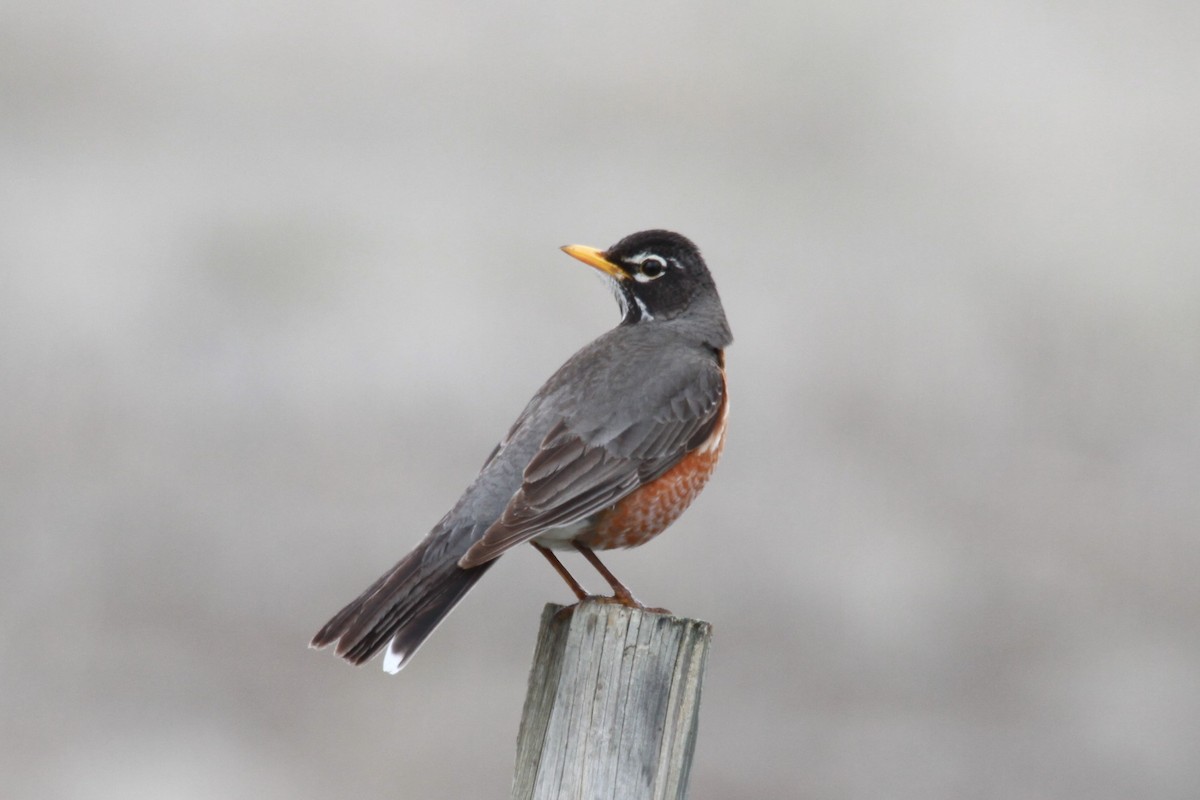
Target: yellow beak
column 595, row 258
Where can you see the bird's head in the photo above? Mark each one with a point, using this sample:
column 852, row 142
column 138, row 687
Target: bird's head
column 655, row 275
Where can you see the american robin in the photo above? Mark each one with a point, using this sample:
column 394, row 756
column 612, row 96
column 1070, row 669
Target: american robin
column 608, row 453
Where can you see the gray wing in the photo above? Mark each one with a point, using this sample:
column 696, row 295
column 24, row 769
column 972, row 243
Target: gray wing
column 580, row 469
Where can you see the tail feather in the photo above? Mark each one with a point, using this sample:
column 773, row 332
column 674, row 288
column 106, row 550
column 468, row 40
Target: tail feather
column 404, row 606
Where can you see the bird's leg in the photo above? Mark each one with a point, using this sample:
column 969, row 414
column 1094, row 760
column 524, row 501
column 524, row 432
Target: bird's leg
column 562, row 571
column 620, row 592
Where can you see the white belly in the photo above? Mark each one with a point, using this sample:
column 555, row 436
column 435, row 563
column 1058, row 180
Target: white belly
column 560, row 538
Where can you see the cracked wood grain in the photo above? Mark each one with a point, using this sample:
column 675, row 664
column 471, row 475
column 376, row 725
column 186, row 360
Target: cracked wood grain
column 612, row 706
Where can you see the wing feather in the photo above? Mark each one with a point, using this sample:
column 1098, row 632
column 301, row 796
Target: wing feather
column 575, row 473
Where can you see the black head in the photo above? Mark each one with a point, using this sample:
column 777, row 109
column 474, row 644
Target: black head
column 655, row 274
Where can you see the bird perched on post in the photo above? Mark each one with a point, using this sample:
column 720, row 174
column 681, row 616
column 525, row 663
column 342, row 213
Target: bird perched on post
column 608, row 453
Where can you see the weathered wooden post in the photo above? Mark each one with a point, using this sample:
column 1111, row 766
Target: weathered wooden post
column 613, row 704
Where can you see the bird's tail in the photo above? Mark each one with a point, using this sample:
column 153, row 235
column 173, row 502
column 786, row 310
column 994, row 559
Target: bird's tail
column 404, row 606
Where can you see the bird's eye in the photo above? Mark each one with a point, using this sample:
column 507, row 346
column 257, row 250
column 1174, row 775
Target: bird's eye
column 650, row 268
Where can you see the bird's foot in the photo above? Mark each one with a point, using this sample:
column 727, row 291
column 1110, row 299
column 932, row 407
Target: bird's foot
column 625, row 597
column 620, row 598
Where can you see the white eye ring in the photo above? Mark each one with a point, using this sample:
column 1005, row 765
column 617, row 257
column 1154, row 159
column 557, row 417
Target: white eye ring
column 650, row 267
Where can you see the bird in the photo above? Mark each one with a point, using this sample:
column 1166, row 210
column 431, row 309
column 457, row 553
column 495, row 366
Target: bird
column 608, row 452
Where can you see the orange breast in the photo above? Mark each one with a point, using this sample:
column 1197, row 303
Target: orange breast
column 647, row 512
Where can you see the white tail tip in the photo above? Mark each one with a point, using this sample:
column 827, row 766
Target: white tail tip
column 393, row 662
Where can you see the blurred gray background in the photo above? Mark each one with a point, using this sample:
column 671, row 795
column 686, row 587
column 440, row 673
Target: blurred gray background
column 274, row 279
